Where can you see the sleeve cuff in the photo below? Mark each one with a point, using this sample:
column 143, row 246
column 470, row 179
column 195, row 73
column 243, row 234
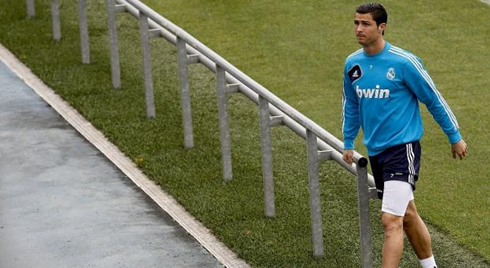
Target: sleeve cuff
column 454, row 137
column 349, row 145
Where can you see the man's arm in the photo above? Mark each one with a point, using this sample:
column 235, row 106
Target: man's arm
column 350, row 118
column 419, row 81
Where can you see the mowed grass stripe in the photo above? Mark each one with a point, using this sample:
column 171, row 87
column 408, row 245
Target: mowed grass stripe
column 234, row 210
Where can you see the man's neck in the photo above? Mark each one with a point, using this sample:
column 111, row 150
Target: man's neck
column 375, row 47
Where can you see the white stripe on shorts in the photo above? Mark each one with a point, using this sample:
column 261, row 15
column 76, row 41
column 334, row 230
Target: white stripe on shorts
column 411, row 168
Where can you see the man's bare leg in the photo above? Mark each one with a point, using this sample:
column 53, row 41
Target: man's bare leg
column 393, row 243
column 417, row 232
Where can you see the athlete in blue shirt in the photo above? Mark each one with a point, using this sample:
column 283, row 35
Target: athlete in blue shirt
column 383, row 85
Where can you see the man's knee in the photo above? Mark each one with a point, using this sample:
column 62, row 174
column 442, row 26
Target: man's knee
column 391, row 223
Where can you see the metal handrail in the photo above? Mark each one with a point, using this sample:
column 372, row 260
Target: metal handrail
column 306, row 123
column 315, row 135
column 191, row 50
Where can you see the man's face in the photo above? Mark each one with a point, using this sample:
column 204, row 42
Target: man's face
column 367, row 32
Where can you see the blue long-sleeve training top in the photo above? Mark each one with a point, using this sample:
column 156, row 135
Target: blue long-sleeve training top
column 381, row 94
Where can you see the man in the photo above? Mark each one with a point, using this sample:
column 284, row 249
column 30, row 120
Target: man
column 382, row 87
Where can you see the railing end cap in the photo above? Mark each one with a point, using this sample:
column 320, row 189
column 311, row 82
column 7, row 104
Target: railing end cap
column 362, row 162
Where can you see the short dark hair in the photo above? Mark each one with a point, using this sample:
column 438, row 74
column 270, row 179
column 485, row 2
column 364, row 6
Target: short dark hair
column 376, row 10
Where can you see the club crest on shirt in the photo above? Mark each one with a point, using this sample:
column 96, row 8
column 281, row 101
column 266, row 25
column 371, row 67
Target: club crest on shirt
column 390, row 74
column 354, row 73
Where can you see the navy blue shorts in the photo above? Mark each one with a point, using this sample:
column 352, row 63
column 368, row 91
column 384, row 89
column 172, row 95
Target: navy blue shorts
column 400, row 162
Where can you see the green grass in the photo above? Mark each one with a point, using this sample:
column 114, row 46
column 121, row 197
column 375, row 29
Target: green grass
column 296, row 49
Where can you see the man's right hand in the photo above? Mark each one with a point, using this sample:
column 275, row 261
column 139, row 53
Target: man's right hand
column 348, row 156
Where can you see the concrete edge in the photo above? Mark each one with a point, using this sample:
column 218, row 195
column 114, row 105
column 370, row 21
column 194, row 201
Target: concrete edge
column 94, row 136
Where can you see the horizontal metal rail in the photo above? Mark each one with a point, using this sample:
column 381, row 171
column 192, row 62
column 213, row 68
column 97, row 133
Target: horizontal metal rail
column 321, row 145
column 249, row 87
column 283, row 113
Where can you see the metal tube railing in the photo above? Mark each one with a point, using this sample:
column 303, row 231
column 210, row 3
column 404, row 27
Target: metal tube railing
column 273, row 110
column 83, row 26
column 147, row 73
column 295, row 120
column 364, row 219
column 243, row 78
column 266, row 150
column 113, row 43
column 185, row 97
column 314, row 189
column 169, row 31
column 31, row 10
column 224, row 128
column 55, row 19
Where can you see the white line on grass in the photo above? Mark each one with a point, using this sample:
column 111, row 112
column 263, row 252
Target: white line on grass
column 486, row 2
column 94, row 136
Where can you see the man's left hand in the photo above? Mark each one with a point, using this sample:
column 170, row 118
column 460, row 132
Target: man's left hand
column 460, row 149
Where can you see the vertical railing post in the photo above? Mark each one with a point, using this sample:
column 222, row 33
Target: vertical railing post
column 55, row 18
column 185, row 97
column 224, row 128
column 314, row 189
column 364, row 219
column 83, row 25
column 113, row 46
column 266, row 146
column 31, row 9
column 147, row 75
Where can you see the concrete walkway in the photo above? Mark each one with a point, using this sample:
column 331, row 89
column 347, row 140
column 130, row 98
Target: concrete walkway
column 63, row 204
